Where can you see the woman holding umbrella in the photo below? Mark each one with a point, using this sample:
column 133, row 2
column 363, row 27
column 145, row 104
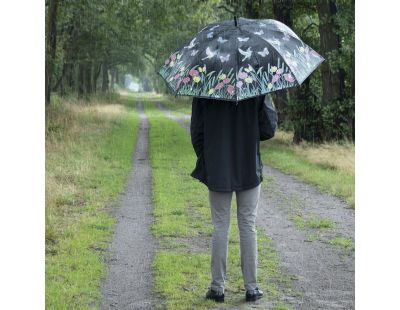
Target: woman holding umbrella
column 228, row 68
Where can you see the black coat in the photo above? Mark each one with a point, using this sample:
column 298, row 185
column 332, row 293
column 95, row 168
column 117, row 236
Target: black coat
column 226, row 138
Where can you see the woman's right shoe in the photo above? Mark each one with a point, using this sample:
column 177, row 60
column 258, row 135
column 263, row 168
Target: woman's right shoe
column 216, row 296
column 253, row 295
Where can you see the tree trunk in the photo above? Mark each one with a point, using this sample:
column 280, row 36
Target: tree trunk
column 88, row 77
column 96, row 74
column 71, row 76
column 58, row 84
column 330, row 41
column 112, row 79
column 51, row 47
column 104, row 83
column 81, row 79
column 282, row 10
column 252, row 8
column 117, row 76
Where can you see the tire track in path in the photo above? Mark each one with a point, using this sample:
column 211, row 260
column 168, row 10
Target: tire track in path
column 323, row 275
column 129, row 284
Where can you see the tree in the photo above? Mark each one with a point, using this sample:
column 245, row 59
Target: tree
column 51, row 44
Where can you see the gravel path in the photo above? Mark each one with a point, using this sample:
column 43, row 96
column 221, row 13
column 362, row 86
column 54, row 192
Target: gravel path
column 130, row 281
column 323, row 274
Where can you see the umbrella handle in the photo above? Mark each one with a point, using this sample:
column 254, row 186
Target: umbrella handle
column 235, row 19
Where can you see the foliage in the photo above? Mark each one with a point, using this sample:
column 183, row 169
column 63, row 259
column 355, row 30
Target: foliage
column 99, row 41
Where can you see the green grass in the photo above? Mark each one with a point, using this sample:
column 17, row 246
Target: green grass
column 312, row 221
column 281, row 155
column 88, row 157
column 344, row 242
column 183, row 223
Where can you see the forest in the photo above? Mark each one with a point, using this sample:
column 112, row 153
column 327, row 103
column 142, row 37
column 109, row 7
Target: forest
column 92, row 45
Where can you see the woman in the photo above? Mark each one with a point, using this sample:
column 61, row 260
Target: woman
column 226, row 138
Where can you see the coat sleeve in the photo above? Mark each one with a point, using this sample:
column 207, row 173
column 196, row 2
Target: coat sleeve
column 262, row 119
column 197, row 126
column 267, row 118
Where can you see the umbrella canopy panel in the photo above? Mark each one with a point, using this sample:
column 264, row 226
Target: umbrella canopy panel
column 236, row 62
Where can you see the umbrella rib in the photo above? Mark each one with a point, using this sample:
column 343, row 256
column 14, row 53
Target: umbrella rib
column 237, row 66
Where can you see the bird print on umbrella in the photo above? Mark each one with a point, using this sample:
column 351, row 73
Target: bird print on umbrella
column 210, row 54
column 238, row 59
column 246, row 54
column 191, row 45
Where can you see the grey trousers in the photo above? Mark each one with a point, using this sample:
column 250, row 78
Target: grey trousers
column 247, row 204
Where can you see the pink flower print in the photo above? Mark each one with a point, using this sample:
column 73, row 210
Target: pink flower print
column 279, row 71
column 219, row 85
column 226, row 81
column 182, row 69
column 193, row 72
column 275, row 78
column 186, row 80
column 176, row 76
column 231, row 90
column 242, row 75
column 289, row 77
column 173, row 57
column 239, row 84
column 167, row 61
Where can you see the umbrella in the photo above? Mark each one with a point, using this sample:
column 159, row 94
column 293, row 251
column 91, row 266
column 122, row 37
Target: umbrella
column 238, row 59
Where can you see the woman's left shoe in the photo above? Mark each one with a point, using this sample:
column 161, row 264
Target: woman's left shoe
column 217, row 296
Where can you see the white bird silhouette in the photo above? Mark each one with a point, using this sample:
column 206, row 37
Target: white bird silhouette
column 210, row 35
column 194, row 52
column 264, row 52
column 243, row 39
column 210, row 53
column 259, row 32
column 247, row 53
column 220, row 40
column 192, row 44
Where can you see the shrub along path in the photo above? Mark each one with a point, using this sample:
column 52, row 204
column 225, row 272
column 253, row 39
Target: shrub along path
column 129, row 283
column 313, row 233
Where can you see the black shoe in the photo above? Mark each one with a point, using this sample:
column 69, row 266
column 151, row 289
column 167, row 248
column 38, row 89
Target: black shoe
column 253, row 295
column 217, row 296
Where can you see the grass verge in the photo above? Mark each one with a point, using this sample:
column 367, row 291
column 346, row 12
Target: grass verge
column 183, row 225
column 88, row 157
column 329, row 166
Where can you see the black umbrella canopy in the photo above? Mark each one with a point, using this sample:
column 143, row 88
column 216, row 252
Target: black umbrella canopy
column 238, row 59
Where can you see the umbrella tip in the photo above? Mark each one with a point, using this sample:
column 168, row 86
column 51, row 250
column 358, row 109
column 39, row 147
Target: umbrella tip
column 235, row 19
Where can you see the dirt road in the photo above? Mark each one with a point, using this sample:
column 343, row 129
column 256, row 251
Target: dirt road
column 129, row 283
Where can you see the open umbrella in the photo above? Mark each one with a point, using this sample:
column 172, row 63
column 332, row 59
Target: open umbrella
column 238, row 59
